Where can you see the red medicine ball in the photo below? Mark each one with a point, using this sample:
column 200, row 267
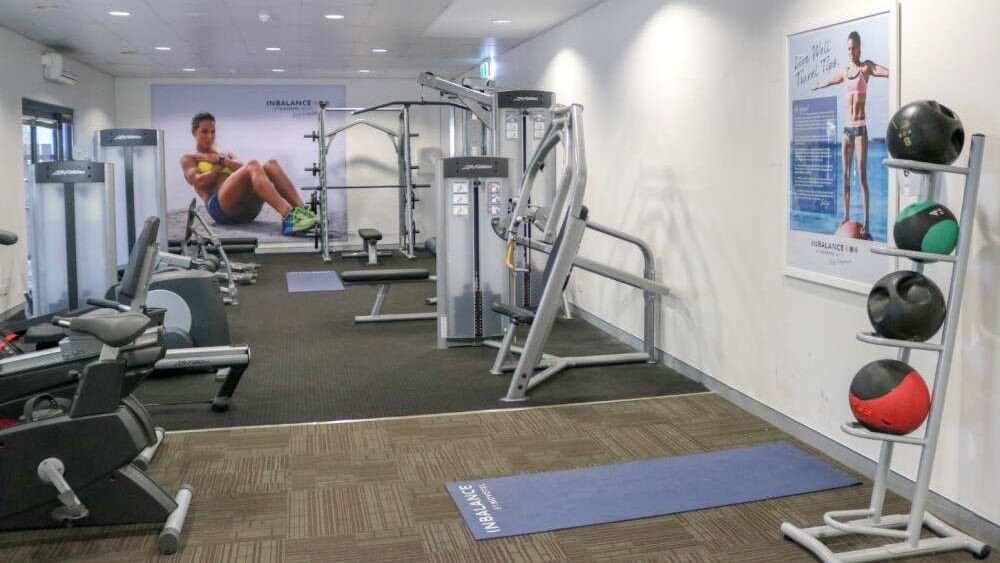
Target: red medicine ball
column 890, row 396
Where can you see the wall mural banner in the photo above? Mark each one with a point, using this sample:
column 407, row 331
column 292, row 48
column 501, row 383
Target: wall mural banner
column 840, row 84
column 253, row 122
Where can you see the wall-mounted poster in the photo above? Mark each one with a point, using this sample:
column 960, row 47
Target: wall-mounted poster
column 259, row 152
column 841, row 84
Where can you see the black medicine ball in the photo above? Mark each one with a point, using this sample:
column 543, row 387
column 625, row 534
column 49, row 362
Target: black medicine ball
column 926, row 131
column 906, row 305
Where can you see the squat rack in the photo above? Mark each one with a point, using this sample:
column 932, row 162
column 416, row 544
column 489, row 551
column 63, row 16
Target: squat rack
column 871, row 521
column 401, row 142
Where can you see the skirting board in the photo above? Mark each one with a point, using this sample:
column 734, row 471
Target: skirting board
column 966, row 520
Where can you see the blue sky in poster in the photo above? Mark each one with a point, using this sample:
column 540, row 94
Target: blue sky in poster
column 817, row 194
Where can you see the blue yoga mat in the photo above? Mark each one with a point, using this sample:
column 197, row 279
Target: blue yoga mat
column 541, row 502
column 303, row 282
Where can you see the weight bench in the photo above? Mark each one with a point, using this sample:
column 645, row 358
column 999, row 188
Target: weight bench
column 383, row 279
column 371, row 251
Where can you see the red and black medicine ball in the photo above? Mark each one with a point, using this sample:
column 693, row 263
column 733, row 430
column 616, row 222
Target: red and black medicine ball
column 890, row 396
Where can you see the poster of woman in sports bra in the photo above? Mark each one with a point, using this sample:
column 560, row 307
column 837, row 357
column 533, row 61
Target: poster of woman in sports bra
column 841, row 86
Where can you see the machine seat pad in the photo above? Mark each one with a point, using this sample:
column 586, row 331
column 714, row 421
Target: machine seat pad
column 431, row 245
column 519, row 315
column 370, row 234
column 384, row 276
column 114, row 330
column 44, row 334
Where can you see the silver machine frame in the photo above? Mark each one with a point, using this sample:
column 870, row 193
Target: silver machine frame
column 490, row 110
column 72, row 250
column 561, row 232
column 401, row 143
column 323, row 141
column 129, row 150
column 871, row 521
column 193, row 252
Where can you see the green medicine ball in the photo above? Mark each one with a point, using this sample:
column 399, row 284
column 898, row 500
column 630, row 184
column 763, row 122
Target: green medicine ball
column 926, row 226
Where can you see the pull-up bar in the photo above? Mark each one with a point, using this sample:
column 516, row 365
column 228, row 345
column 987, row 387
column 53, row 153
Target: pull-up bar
column 388, row 106
column 365, row 187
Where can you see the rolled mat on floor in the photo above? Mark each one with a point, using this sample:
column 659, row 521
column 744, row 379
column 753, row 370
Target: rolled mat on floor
column 542, row 502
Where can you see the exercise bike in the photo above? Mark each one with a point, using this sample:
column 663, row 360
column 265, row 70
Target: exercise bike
column 73, row 466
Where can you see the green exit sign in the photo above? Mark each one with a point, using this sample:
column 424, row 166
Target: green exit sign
column 486, row 69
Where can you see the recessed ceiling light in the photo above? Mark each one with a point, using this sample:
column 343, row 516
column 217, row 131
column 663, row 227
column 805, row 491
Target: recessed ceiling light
column 47, row 7
column 365, row 71
column 272, row 48
column 194, row 14
column 162, row 48
column 127, row 51
column 264, row 17
column 380, row 50
column 189, row 69
column 119, row 13
column 277, row 70
column 502, row 20
column 334, row 17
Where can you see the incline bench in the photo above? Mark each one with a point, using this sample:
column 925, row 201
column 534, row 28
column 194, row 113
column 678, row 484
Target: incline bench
column 370, row 237
column 383, row 279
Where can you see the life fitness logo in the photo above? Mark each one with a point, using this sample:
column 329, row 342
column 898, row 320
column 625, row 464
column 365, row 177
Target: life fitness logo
column 68, row 172
column 527, row 99
column 128, row 137
column 467, row 167
column 294, row 106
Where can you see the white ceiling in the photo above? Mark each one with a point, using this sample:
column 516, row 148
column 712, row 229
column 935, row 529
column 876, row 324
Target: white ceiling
column 224, row 38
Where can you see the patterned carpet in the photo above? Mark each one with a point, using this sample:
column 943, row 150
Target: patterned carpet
column 373, row 491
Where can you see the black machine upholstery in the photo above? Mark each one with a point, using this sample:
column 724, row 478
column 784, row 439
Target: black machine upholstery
column 117, row 330
column 369, row 234
column 519, row 315
column 431, row 245
column 137, row 256
column 384, row 276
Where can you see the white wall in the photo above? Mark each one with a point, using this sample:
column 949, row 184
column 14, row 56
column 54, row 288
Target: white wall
column 370, row 156
column 685, row 129
column 93, row 102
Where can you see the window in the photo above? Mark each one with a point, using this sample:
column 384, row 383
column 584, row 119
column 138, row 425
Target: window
column 47, row 131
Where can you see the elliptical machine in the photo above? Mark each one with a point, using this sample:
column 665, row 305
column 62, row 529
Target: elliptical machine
column 74, row 467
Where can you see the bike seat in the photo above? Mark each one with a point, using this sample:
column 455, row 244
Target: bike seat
column 114, row 330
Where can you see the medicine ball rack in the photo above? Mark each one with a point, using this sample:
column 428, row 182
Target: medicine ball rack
column 870, row 521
